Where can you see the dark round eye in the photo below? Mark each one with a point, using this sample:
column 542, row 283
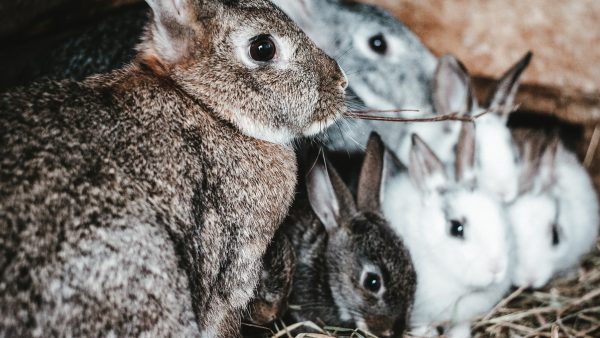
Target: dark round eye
column 262, row 48
column 372, row 282
column 457, row 229
column 555, row 235
column 378, row 44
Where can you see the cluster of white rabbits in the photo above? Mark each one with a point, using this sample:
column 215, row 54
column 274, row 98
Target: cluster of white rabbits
column 479, row 206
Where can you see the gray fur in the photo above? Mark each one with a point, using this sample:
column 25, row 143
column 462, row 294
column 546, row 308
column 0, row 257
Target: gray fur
column 132, row 203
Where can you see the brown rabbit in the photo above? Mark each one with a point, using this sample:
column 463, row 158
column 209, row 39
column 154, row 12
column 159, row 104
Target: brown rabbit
column 142, row 201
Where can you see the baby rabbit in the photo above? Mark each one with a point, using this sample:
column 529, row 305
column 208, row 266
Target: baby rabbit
column 352, row 271
column 496, row 155
column 456, row 234
column 271, row 297
column 555, row 219
column 141, row 202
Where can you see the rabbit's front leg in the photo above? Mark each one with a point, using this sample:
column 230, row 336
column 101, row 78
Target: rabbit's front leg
column 460, row 330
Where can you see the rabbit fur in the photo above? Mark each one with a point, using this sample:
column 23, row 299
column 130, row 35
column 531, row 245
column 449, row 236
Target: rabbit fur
column 141, row 202
column 460, row 275
column 341, row 243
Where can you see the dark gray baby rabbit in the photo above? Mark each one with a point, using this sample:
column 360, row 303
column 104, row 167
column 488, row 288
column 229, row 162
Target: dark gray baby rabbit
column 142, row 201
column 352, row 270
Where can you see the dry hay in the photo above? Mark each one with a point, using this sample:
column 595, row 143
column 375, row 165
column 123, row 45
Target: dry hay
column 568, row 307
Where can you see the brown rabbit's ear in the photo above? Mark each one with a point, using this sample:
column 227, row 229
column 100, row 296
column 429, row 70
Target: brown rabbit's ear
column 172, row 30
column 371, row 175
column 329, row 197
column 452, row 92
column 425, row 169
column 465, row 154
column 502, row 97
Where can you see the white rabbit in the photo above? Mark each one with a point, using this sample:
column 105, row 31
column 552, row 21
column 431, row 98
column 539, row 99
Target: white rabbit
column 457, row 236
column 452, row 93
column 555, row 219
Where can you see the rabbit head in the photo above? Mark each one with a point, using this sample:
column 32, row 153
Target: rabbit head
column 388, row 66
column 247, row 62
column 370, row 273
column 451, row 222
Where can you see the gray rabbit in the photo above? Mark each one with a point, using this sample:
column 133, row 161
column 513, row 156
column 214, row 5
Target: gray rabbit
column 352, row 270
column 141, row 202
column 388, row 67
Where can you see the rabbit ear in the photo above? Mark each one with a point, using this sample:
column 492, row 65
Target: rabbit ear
column 329, row 197
column 502, row 97
column 465, row 154
column 547, row 170
column 538, row 169
column 371, row 175
column 171, row 31
column 425, row 169
column 452, row 92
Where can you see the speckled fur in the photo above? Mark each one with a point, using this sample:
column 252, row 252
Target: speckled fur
column 131, row 203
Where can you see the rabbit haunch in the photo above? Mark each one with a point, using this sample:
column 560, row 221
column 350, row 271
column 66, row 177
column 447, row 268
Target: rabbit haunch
column 138, row 202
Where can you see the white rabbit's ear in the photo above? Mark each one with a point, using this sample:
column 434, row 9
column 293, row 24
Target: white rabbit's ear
column 452, row 91
column 425, row 169
column 502, row 97
column 369, row 191
column 465, row 154
column 547, row 170
column 172, row 31
column 538, row 169
column 329, row 197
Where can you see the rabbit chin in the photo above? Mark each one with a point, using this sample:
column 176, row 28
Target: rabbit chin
column 319, row 126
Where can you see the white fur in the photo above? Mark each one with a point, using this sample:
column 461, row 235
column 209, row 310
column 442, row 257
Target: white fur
column 572, row 198
column 457, row 279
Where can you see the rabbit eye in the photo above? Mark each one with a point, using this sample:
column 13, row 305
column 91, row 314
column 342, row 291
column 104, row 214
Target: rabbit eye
column 372, row 282
column 555, row 235
column 378, row 44
column 262, row 48
column 457, row 229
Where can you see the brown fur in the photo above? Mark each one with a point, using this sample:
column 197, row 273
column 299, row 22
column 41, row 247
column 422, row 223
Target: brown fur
column 132, row 203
